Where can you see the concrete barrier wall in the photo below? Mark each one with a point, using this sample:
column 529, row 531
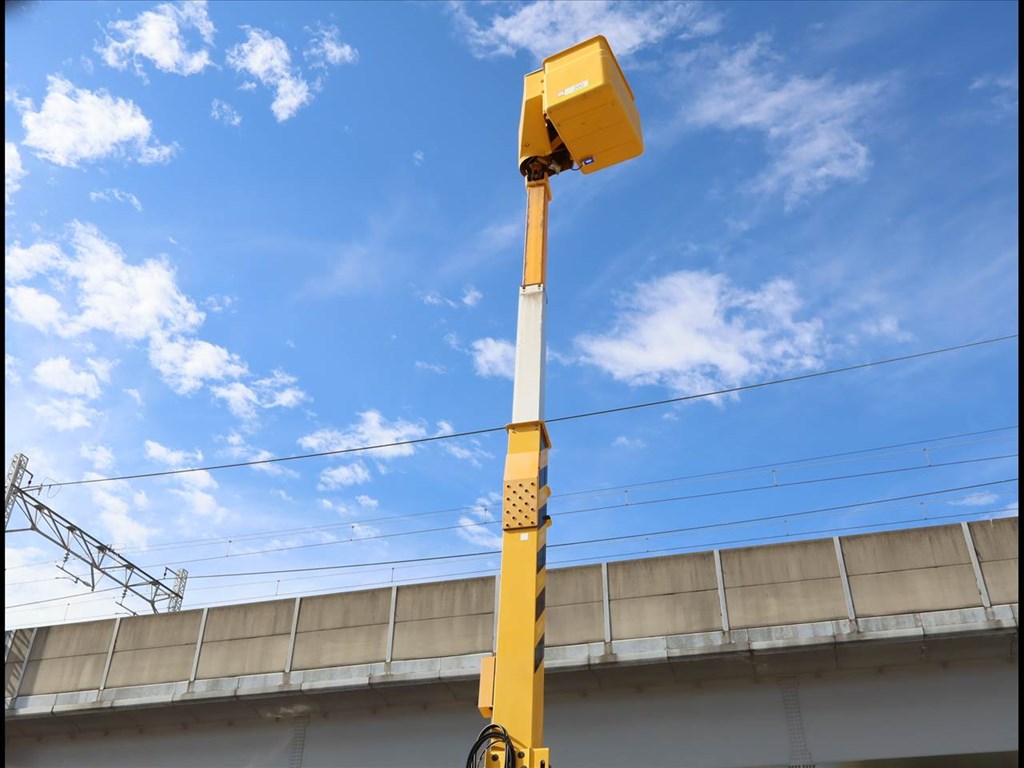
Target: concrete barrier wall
column 68, row 658
column 664, row 596
column 896, row 572
column 996, row 542
column 246, row 639
column 927, row 569
column 337, row 630
column 783, row 584
column 154, row 649
column 448, row 618
column 575, row 606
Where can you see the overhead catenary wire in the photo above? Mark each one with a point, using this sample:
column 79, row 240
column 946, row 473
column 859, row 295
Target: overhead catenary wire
column 737, row 523
column 604, row 490
column 609, row 557
column 740, row 523
column 602, row 508
column 461, row 555
column 555, row 420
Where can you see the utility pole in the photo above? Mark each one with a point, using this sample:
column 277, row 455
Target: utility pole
column 578, row 114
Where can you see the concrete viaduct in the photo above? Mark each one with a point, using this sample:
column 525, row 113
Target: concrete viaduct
column 885, row 649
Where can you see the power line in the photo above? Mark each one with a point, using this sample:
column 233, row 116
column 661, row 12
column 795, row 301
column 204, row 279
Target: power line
column 575, row 561
column 570, row 494
column 601, row 540
column 603, row 508
column 490, row 430
column 607, row 507
column 862, row 452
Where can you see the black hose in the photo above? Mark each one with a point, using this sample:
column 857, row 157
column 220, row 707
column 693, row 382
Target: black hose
column 488, row 737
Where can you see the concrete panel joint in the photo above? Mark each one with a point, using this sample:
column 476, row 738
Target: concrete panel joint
column 291, row 637
column 391, row 625
column 723, row 605
column 851, row 610
column 110, row 653
column 978, row 575
column 199, row 646
column 607, row 603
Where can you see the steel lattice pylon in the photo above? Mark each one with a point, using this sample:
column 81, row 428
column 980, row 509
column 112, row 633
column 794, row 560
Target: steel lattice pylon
column 100, row 558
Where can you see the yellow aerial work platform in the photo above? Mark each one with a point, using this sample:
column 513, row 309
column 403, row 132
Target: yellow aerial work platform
column 579, row 108
column 578, row 113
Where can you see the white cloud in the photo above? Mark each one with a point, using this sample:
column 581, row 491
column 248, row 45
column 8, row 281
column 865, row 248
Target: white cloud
column 128, row 300
column 100, row 456
column 136, row 302
column 172, row 458
column 13, row 171
column 75, row 125
column 326, row 49
column 201, row 503
column 628, row 442
column 186, row 364
column 22, row 263
column 159, row 35
column 371, row 429
column 432, row 367
column 225, row 113
column 199, row 479
column 885, row 326
column 218, row 304
column 809, row 124
column 419, row 157
column 266, row 58
column 1002, row 90
column 11, row 373
column 473, row 527
column 33, row 307
column 343, row 475
column 134, row 394
column 276, row 391
column 494, row 357
column 119, row 195
column 435, row 299
column 239, row 449
column 544, row 27
column 469, row 451
column 65, row 415
column 367, row 502
column 279, row 391
column 115, row 513
column 58, row 374
column 695, row 331
column 471, row 297
column 240, row 399
column 980, row 499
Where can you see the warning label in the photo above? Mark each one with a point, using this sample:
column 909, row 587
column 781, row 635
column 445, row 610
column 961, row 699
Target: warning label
column 573, row 88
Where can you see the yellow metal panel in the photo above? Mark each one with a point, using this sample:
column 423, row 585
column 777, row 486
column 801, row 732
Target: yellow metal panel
column 533, row 129
column 485, row 699
column 587, row 99
column 519, row 671
column 538, row 193
column 523, row 464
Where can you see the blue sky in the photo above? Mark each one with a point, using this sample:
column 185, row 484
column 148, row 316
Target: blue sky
column 238, row 231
